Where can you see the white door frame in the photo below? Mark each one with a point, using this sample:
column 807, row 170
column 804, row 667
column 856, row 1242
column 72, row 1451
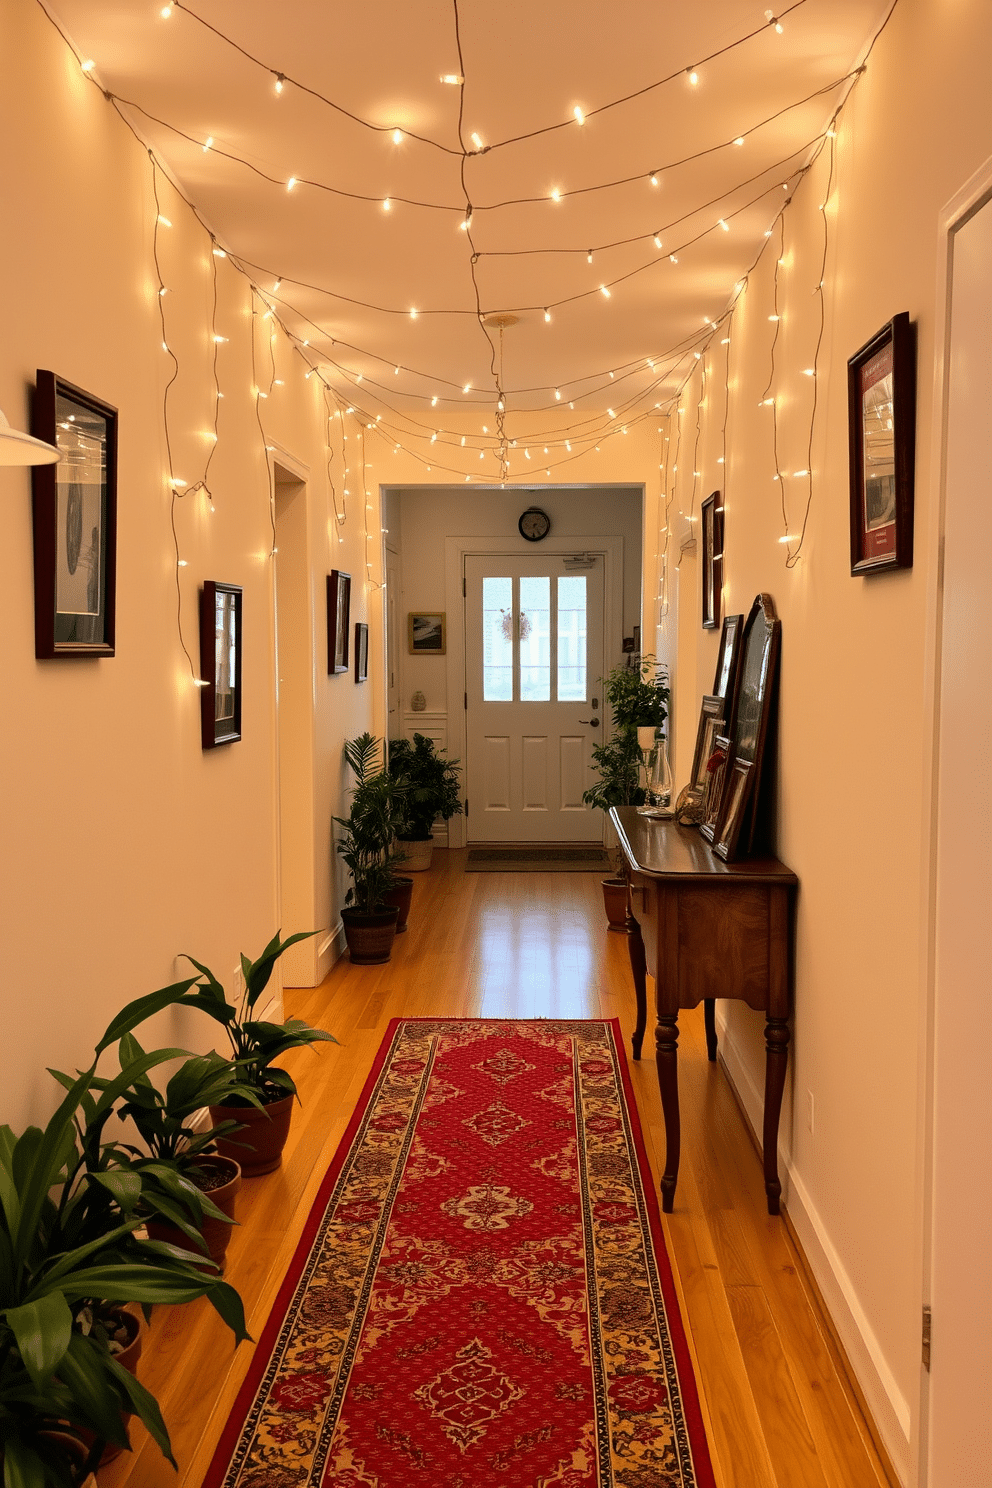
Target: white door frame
column 456, row 550
column 965, row 202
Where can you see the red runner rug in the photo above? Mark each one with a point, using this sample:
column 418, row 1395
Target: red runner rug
column 481, row 1295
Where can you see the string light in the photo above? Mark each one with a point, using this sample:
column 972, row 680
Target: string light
column 579, row 115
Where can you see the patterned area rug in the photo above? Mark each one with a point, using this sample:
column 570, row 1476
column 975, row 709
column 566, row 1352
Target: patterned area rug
column 537, row 860
column 481, row 1295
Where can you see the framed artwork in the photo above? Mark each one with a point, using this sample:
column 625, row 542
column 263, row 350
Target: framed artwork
column 426, row 633
column 338, row 616
column 760, row 644
column 75, row 522
column 361, row 651
column 728, row 662
column 733, row 807
column 881, row 405
column 711, row 524
column 220, row 664
column 716, row 769
column 711, row 723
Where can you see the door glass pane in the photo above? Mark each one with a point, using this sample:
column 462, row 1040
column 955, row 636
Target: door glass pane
column 572, row 639
column 497, row 640
column 535, row 640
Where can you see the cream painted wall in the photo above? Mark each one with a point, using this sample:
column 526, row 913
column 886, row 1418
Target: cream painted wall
column 123, row 842
column 853, row 719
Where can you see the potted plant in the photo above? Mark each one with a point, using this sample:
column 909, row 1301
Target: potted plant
column 67, row 1236
column 638, row 699
column 432, row 789
column 367, row 845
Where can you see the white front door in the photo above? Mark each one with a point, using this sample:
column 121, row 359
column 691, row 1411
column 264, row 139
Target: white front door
column 534, row 657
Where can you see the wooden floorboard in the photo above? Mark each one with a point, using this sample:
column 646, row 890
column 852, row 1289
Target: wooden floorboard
column 779, row 1408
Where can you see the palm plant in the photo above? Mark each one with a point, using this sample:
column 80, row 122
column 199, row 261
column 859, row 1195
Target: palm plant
column 368, row 834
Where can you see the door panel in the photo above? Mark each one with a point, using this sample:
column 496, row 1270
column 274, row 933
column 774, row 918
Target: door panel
column 534, row 656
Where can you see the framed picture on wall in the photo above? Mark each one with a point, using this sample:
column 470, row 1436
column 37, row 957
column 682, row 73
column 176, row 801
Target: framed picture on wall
column 220, row 664
column 75, row 523
column 881, row 405
column 728, row 662
column 361, row 651
column 426, row 633
column 711, row 525
column 338, row 619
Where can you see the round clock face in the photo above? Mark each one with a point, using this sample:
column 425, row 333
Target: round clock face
column 534, row 524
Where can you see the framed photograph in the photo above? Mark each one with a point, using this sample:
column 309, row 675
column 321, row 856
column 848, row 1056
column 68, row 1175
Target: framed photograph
column 732, row 810
column 728, row 662
column 711, row 723
column 426, row 633
column 716, row 769
column 756, row 690
column 220, row 664
column 361, row 651
column 75, row 522
column 711, row 525
column 338, row 616
column 881, row 405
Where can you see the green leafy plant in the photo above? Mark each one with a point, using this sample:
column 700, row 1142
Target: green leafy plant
column 637, row 698
column 431, row 785
column 367, row 841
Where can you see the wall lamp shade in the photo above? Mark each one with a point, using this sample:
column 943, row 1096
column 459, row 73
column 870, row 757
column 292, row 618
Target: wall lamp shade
column 23, row 449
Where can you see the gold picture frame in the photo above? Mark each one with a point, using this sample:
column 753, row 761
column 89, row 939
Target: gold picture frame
column 427, row 633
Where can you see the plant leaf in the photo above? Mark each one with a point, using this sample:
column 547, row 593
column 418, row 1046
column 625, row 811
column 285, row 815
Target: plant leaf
column 42, row 1329
column 142, row 1008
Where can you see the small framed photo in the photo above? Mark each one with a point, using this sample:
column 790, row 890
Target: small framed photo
column 338, row 618
column 881, row 405
column 711, row 524
column 711, row 723
column 75, row 522
column 361, row 651
column 728, row 662
column 716, row 769
column 426, row 633
column 220, row 664
column 737, row 786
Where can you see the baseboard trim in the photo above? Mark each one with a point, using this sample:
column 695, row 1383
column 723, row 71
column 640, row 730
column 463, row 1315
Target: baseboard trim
column 884, row 1407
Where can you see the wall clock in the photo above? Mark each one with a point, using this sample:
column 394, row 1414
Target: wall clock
column 534, row 524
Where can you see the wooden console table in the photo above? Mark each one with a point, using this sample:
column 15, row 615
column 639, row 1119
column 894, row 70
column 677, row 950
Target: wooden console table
column 706, row 929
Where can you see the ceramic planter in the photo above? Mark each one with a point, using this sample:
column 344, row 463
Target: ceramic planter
column 401, row 895
column 416, row 854
column 615, row 899
column 258, row 1145
column 370, row 936
column 216, row 1232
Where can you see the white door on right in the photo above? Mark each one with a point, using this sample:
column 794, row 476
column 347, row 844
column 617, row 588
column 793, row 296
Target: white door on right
column 534, row 657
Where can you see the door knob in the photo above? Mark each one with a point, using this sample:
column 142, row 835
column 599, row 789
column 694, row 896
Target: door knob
column 592, row 722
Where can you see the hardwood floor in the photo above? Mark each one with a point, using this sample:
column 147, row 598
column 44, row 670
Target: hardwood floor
column 780, row 1412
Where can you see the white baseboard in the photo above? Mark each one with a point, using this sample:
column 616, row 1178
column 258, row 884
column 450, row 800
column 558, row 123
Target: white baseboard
column 888, row 1405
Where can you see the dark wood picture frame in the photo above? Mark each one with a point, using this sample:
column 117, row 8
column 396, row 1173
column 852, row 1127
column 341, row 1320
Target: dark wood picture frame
column 361, row 651
column 75, row 523
column 711, row 533
column 220, row 663
column 712, row 722
column 728, row 662
column 734, row 802
column 757, row 688
column 713, row 797
column 881, row 404
column 427, row 632
column 338, row 620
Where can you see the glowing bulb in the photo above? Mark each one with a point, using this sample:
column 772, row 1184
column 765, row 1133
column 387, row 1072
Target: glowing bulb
column 290, row 183
column 454, row 78
column 604, row 291
column 800, row 473
column 88, row 66
column 558, row 394
column 413, row 314
column 220, row 338
column 434, row 401
column 657, row 241
column 166, row 12
column 387, row 205
column 163, row 291
column 724, row 225
column 589, row 256
column 809, row 371
column 654, row 178
column 725, row 341
column 672, row 258
column 527, row 454
column 580, row 116
column 698, row 355
column 477, row 140
column 547, row 315
column 181, row 563
column 207, row 143
column 788, row 538
column 466, row 224
column 739, row 140
column 467, row 388
column 396, row 371
column 774, row 317
column 555, row 194
column 693, row 76
column 163, row 220
column 280, row 82
column 219, row 253
column 611, row 413
column 397, row 136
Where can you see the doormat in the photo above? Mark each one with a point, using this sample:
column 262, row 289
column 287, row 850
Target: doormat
column 537, row 860
column 481, row 1293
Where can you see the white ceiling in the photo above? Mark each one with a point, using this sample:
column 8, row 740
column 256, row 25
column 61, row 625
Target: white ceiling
column 527, row 65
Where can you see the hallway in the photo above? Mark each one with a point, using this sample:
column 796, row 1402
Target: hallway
column 779, row 1410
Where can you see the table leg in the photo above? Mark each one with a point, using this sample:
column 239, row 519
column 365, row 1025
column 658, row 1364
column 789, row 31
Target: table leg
column 638, row 967
column 776, row 1058
column 709, row 1016
column 667, row 1056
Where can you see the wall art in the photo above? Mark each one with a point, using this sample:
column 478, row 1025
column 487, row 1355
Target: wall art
column 881, row 402
column 361, row 651
column 220, row 664
column 711, row 525
column 338, row 618
column 426, row 633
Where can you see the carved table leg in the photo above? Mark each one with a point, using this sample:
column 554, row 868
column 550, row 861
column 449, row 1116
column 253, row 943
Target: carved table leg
column 709, row 1016
column 638, row 967
column 776, row 1057
column 667, row 1042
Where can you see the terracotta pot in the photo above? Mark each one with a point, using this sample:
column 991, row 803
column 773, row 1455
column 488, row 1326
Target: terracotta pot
column 400, row 894
column 216, row 1232
column 615, row 899
column 127, row 1359
column 258, row 1145
column 370, row 936
column 416, row 854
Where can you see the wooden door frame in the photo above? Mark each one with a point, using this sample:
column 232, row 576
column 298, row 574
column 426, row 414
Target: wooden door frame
column 456, row 550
